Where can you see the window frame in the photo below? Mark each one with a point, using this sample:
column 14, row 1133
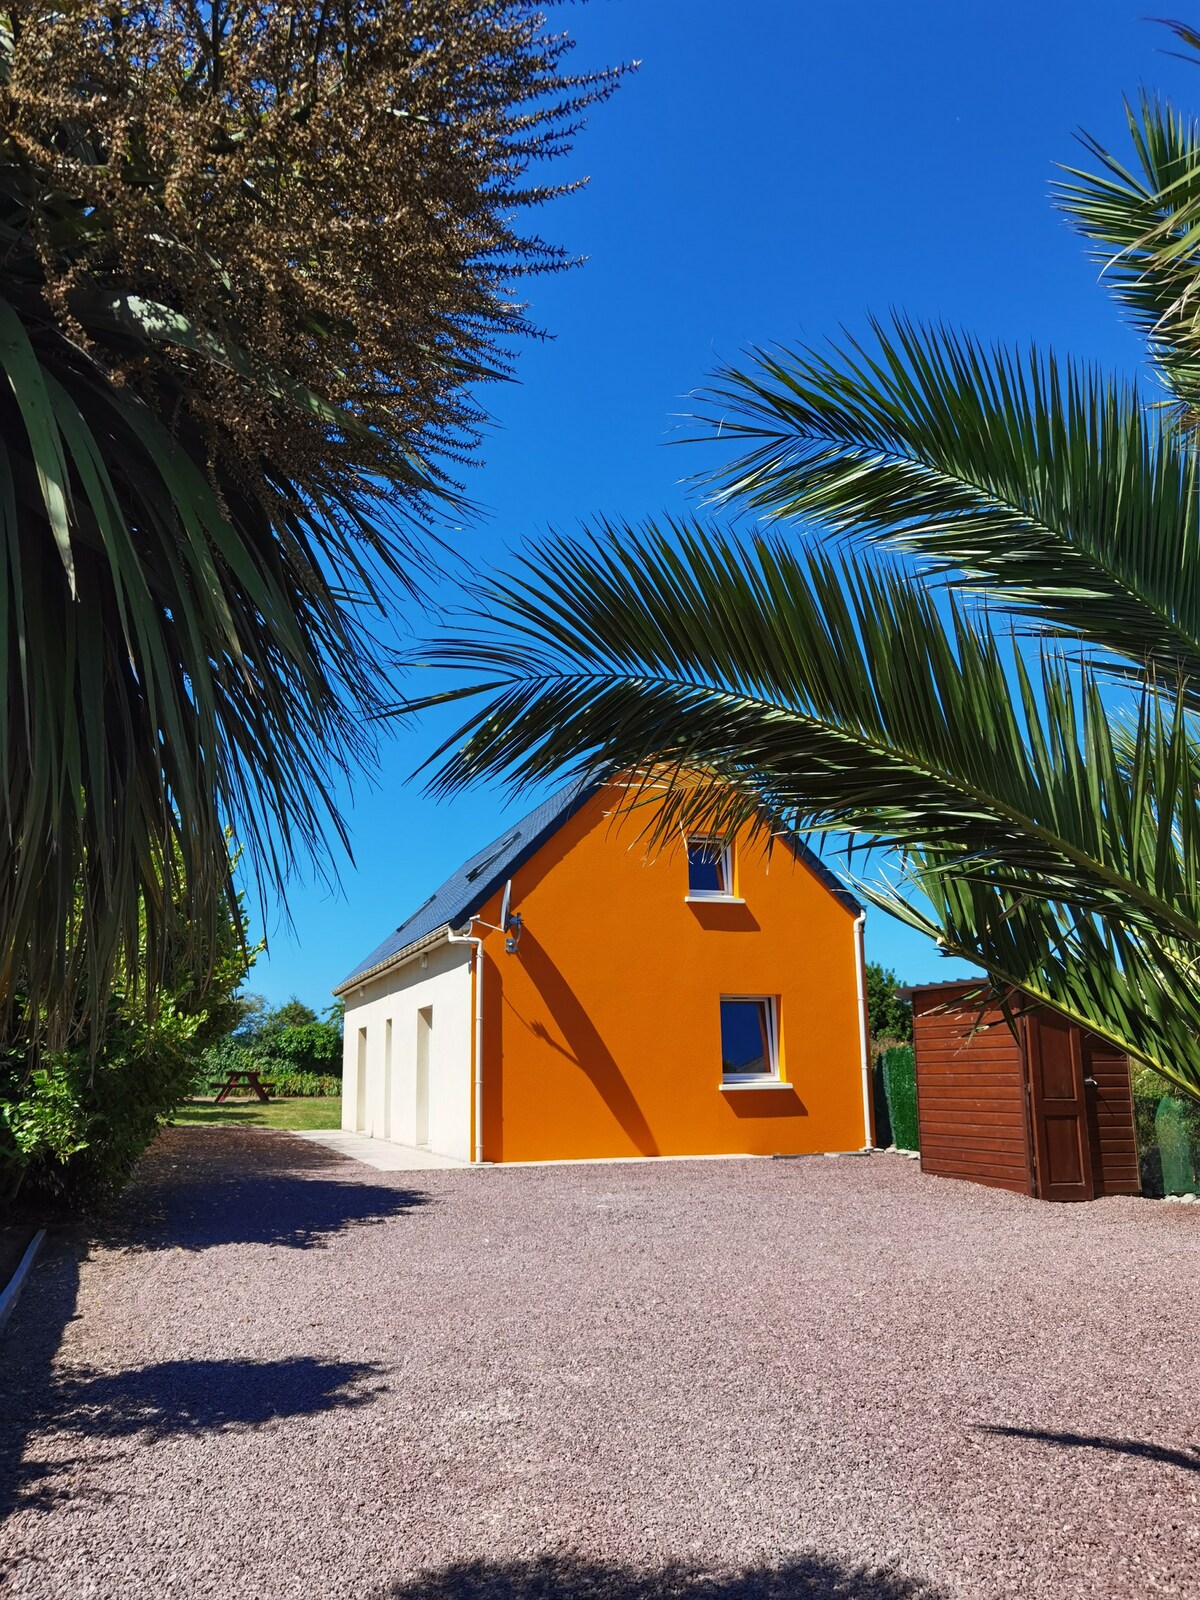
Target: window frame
column 723, row 856
column 751, row 1080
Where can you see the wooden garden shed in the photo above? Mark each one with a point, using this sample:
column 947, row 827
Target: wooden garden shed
column 1046, row 1112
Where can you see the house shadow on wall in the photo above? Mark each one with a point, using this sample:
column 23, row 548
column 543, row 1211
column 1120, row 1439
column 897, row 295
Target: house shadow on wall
column 583, row 1045
column 803, row 1577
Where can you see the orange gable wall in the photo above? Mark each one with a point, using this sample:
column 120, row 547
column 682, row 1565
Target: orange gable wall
column 602, row 1036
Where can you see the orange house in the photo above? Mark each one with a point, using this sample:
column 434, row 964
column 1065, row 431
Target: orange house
column 564, row 996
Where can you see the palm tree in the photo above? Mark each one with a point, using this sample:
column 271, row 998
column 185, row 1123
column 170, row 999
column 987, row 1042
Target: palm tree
column 1043, row 792
column 255, row 262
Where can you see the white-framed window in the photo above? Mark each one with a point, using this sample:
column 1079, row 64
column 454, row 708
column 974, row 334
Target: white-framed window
column 710, row 870
column 749, row 1039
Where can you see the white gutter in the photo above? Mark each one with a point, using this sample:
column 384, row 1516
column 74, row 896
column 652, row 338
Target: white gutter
column 864, row 1040
column 477, row 1050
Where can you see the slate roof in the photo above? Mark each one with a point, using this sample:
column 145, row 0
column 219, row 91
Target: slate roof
column 466, row 890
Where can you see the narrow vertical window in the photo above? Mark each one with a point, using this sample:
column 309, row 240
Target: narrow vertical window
column 709, row 874
column 360, row 1084
column 424, row 1050
column 388, row 1132
column 749, row 1040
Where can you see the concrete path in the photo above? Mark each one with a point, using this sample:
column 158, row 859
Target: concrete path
column 382, row 1154
column 275, row 1374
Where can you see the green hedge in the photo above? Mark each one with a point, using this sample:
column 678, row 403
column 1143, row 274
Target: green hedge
column 898, row 1070
column 309, row 1085
column 298, row 1085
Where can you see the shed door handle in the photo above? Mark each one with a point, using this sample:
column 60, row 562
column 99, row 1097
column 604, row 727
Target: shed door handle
column 1089, row 1083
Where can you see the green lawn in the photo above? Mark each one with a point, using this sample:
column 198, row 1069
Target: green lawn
column 322, row 1113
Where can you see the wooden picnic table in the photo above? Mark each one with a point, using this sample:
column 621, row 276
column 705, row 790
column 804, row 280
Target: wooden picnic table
column 234, row 1081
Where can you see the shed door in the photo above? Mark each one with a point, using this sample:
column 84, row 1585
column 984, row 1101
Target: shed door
column 1058, row 1098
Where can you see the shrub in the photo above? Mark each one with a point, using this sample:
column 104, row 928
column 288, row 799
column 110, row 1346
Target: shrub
column 72, row 1128
column 313, row 1047
column 74, row 1121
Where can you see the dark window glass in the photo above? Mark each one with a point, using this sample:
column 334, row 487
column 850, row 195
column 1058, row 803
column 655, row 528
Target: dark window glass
column 745, row 1037
column 706, row 867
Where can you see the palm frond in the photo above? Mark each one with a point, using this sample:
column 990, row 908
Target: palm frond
column 837, row 695
column 1144, row 220
column 1045, row 485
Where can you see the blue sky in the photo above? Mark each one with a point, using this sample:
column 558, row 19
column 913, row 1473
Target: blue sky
column 769, row 183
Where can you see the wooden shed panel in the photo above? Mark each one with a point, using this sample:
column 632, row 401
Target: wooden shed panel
column 956, row 1110
column 1007, row 1139
column 993, row 1176
column 970, row 1093
column 1110, row 1114
column 1006, row 1155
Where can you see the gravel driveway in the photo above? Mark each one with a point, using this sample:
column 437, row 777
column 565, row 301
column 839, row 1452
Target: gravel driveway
column 279, row 1373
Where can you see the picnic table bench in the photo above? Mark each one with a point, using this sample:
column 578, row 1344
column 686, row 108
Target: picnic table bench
column 234, row 1081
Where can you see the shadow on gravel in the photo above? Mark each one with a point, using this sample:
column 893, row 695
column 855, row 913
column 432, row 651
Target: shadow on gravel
column 812, row 1577
column 1188, row 1459
column 179, row 1397
column 198, row 1188
column 27, row 1353
column 157, row 1402
column 297, row 1213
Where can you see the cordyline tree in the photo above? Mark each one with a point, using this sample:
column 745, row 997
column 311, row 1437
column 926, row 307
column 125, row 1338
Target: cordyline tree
column 1043, row 797
column 256, row 261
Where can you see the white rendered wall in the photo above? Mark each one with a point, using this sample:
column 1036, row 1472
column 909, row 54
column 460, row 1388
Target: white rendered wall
column 440, row 979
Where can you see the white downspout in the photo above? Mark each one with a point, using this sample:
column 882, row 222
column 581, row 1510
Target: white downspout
column 864, row 1040
column 477, row 992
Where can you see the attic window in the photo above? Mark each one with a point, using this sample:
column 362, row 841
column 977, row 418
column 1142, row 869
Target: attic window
column 495, row 855
column 710, row 869
column 417, row 912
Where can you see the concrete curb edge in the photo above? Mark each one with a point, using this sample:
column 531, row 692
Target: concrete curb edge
column 16, row 1283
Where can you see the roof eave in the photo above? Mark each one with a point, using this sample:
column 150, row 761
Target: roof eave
column 396, row 959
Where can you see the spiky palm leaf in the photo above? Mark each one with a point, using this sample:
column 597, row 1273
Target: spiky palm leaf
column 747, row 683
column 163, row 652
column 1143, row 217
column 840, row 694
column 1045, row 485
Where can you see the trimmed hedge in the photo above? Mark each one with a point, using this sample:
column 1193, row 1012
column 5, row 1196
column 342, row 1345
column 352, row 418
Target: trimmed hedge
column 306, row 1085
column 286, row 1085
column 898, row 1070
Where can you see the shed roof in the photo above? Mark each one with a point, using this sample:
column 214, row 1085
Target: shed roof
column 907, row 990
column 466, row 890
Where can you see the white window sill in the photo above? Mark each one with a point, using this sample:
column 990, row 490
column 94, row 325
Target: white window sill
column 733, row 1086
column 713, row 900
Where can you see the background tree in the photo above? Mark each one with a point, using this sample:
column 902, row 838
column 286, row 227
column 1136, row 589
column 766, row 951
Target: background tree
column 889, row 1017
column 257, row 260
column 1041, row 796
column 292, row 1013
column 290, row 1044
